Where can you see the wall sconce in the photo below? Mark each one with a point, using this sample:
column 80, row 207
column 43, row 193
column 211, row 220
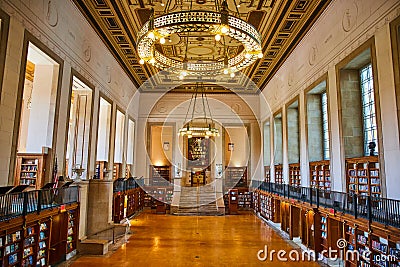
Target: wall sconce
column 166, row 146
column 178, row 172
column 231, row 146
column 218, row 170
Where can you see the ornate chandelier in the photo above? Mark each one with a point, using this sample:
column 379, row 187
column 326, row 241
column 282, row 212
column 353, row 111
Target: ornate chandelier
column 200, row 127
column 219, row 24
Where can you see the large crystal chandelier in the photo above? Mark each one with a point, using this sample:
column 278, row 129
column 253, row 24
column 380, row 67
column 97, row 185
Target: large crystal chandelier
column 218, row 23
column 203, row 126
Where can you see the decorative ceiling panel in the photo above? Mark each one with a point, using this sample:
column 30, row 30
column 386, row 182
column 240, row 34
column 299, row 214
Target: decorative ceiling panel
column 281, row 23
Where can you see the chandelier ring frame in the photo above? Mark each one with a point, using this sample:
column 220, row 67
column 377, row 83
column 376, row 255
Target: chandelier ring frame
column 198, row 21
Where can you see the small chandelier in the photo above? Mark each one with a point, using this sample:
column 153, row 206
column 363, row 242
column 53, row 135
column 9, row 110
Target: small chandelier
column 203, row 127
column 218, row 23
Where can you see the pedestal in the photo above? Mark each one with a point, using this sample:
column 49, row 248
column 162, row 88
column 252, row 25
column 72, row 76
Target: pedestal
column 99, row 212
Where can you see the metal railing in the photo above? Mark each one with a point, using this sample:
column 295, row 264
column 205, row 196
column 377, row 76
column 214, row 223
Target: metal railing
column 13, row 205
column 122, row 184
column 375, row 209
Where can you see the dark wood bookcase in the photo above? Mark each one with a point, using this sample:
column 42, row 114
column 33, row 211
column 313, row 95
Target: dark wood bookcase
column 236, row 177
column 267, row 174
column 294, row 175
column 279, row 174
column 30, row 170
column 363, row 176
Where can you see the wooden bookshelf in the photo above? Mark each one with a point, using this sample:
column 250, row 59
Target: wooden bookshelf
column 236, row 177
column 101, row 168
column 72, row 232
column 245, row 200
column 12, row 248
column 294, row 175
column 117, row 170
column 43, row 243
column 279, row 174
column 350, row 237
column 363, row 176
column 324, row 232
column 267, row 174
column 269, row 208
column 30, row 170
column 256, row 201
column 320, row 175
column 160, row 174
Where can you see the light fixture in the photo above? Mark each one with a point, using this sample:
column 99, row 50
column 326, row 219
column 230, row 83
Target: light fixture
column 203, row 126
column 219, row 24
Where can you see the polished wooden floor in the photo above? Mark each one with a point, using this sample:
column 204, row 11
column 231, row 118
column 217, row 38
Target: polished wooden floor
column 166, row 240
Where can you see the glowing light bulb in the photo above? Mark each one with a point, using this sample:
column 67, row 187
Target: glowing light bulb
column 226, row 71
column 141, row 61
column 232, row 75
column 162, row 40
column 184, row 73
column 151, row 35
column 247, row 55
column 181, row 77
column 224, row 30
column 152, row 60
column 260, row 55
column 218, row 37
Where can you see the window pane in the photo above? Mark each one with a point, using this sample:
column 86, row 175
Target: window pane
column 325, row 127
column 368, row 106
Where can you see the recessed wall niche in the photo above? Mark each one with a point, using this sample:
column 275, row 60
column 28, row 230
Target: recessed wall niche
column 103, row 138
column 130, row 148
column 79, row 129
column 292, row 115
column 36, row 112
column 278, row 148
column 119, row 145
column 317, row 123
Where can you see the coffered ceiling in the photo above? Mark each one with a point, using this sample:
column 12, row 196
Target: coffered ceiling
column 281, row 23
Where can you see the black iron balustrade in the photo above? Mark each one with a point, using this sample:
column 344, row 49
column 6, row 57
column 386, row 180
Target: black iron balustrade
column 374, row 209
column 122, row 184
column 13, row 205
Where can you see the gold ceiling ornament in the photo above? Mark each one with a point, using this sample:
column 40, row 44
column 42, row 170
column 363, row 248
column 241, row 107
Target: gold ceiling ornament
column 215, row 23
column 202, row 126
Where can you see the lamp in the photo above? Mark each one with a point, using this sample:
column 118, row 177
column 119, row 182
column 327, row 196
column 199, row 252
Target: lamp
column 218, row 23
column 203, row 127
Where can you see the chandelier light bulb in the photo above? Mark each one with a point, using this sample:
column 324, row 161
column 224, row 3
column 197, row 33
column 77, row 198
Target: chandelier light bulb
column 226, row 71
column 152, row 61
column 141, row 61
column 260, row 55
column 232, row 75
column 184, row 73
column 151, row 35
column 162, row 40
column 247, row 55
column 224, row 30
column 218, row 37
column 181, row 77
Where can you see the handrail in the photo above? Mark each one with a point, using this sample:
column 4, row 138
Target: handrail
column 13, row 205
column 375, row 209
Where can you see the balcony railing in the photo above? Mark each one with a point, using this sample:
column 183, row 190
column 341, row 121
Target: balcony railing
column 13, row 205
column 375, row 209
column 121, row 184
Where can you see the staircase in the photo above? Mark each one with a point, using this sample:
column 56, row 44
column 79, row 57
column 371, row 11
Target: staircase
column 198, row 201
